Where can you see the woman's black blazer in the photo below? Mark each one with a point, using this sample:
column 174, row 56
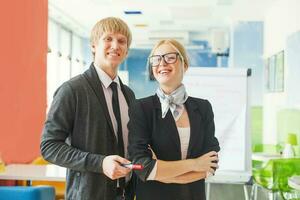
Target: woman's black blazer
column 147, row 127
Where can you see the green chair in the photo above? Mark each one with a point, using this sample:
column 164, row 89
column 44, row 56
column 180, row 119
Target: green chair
column 274, row 177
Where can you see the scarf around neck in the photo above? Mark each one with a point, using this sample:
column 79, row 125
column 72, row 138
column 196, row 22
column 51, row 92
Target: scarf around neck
column 175, row 101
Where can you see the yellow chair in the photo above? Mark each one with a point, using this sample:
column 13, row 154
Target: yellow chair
column 59, row 186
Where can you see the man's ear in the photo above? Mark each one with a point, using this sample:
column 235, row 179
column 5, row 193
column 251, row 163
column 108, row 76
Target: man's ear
column 93, row 48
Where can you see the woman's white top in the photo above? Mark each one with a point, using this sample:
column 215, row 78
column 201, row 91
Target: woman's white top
column 184, row 136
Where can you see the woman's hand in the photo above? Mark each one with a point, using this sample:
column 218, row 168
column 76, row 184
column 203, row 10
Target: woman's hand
column 207, row 162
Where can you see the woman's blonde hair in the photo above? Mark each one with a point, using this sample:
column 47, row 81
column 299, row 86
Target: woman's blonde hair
column 177, row 46
column 110, row 25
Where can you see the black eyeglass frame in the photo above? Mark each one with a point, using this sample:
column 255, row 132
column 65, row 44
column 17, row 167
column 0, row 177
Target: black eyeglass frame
column 163, row 57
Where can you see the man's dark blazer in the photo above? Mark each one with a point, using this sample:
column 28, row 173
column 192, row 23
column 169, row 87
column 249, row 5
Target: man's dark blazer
column 146, row 126
column 78, row 134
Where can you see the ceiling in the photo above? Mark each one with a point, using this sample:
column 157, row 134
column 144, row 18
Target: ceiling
column 168, row 16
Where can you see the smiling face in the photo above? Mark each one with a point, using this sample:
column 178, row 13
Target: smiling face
column 168, row 75
column 110, row 51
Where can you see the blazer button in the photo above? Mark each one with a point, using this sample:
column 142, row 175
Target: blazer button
column 78, row 173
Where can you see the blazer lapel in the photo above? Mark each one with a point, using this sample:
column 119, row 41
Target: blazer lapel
column 195, row 124
column 168, row 123
column 94, row 81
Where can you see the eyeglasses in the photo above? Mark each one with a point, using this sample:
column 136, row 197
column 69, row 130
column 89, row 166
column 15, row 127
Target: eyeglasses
column 169, row 58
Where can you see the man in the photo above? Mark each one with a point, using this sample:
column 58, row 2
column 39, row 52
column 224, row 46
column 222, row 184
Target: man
column 86, row 129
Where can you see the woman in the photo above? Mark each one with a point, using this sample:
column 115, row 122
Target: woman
column 171, row 134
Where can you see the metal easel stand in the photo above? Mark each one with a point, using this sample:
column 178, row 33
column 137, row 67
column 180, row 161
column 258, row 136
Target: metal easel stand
column 246, row 194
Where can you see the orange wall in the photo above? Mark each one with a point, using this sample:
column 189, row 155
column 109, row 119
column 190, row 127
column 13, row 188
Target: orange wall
column 23, row 50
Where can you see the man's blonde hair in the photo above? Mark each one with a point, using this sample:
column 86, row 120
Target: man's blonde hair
column 110, row 25
column 177, row 46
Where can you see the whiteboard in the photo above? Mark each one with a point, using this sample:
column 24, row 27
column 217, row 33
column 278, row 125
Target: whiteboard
column 227, row 90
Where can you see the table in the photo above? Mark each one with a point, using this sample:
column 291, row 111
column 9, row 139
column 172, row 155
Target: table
column 265, row 157
column 31, row 172
column 294, row 182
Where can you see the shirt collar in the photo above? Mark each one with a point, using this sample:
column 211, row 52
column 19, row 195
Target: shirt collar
column 105, row 79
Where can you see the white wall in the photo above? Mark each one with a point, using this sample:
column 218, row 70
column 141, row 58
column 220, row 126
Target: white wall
column 281, row 20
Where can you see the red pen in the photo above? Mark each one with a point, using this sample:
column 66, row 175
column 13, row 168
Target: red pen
column 133, row 166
